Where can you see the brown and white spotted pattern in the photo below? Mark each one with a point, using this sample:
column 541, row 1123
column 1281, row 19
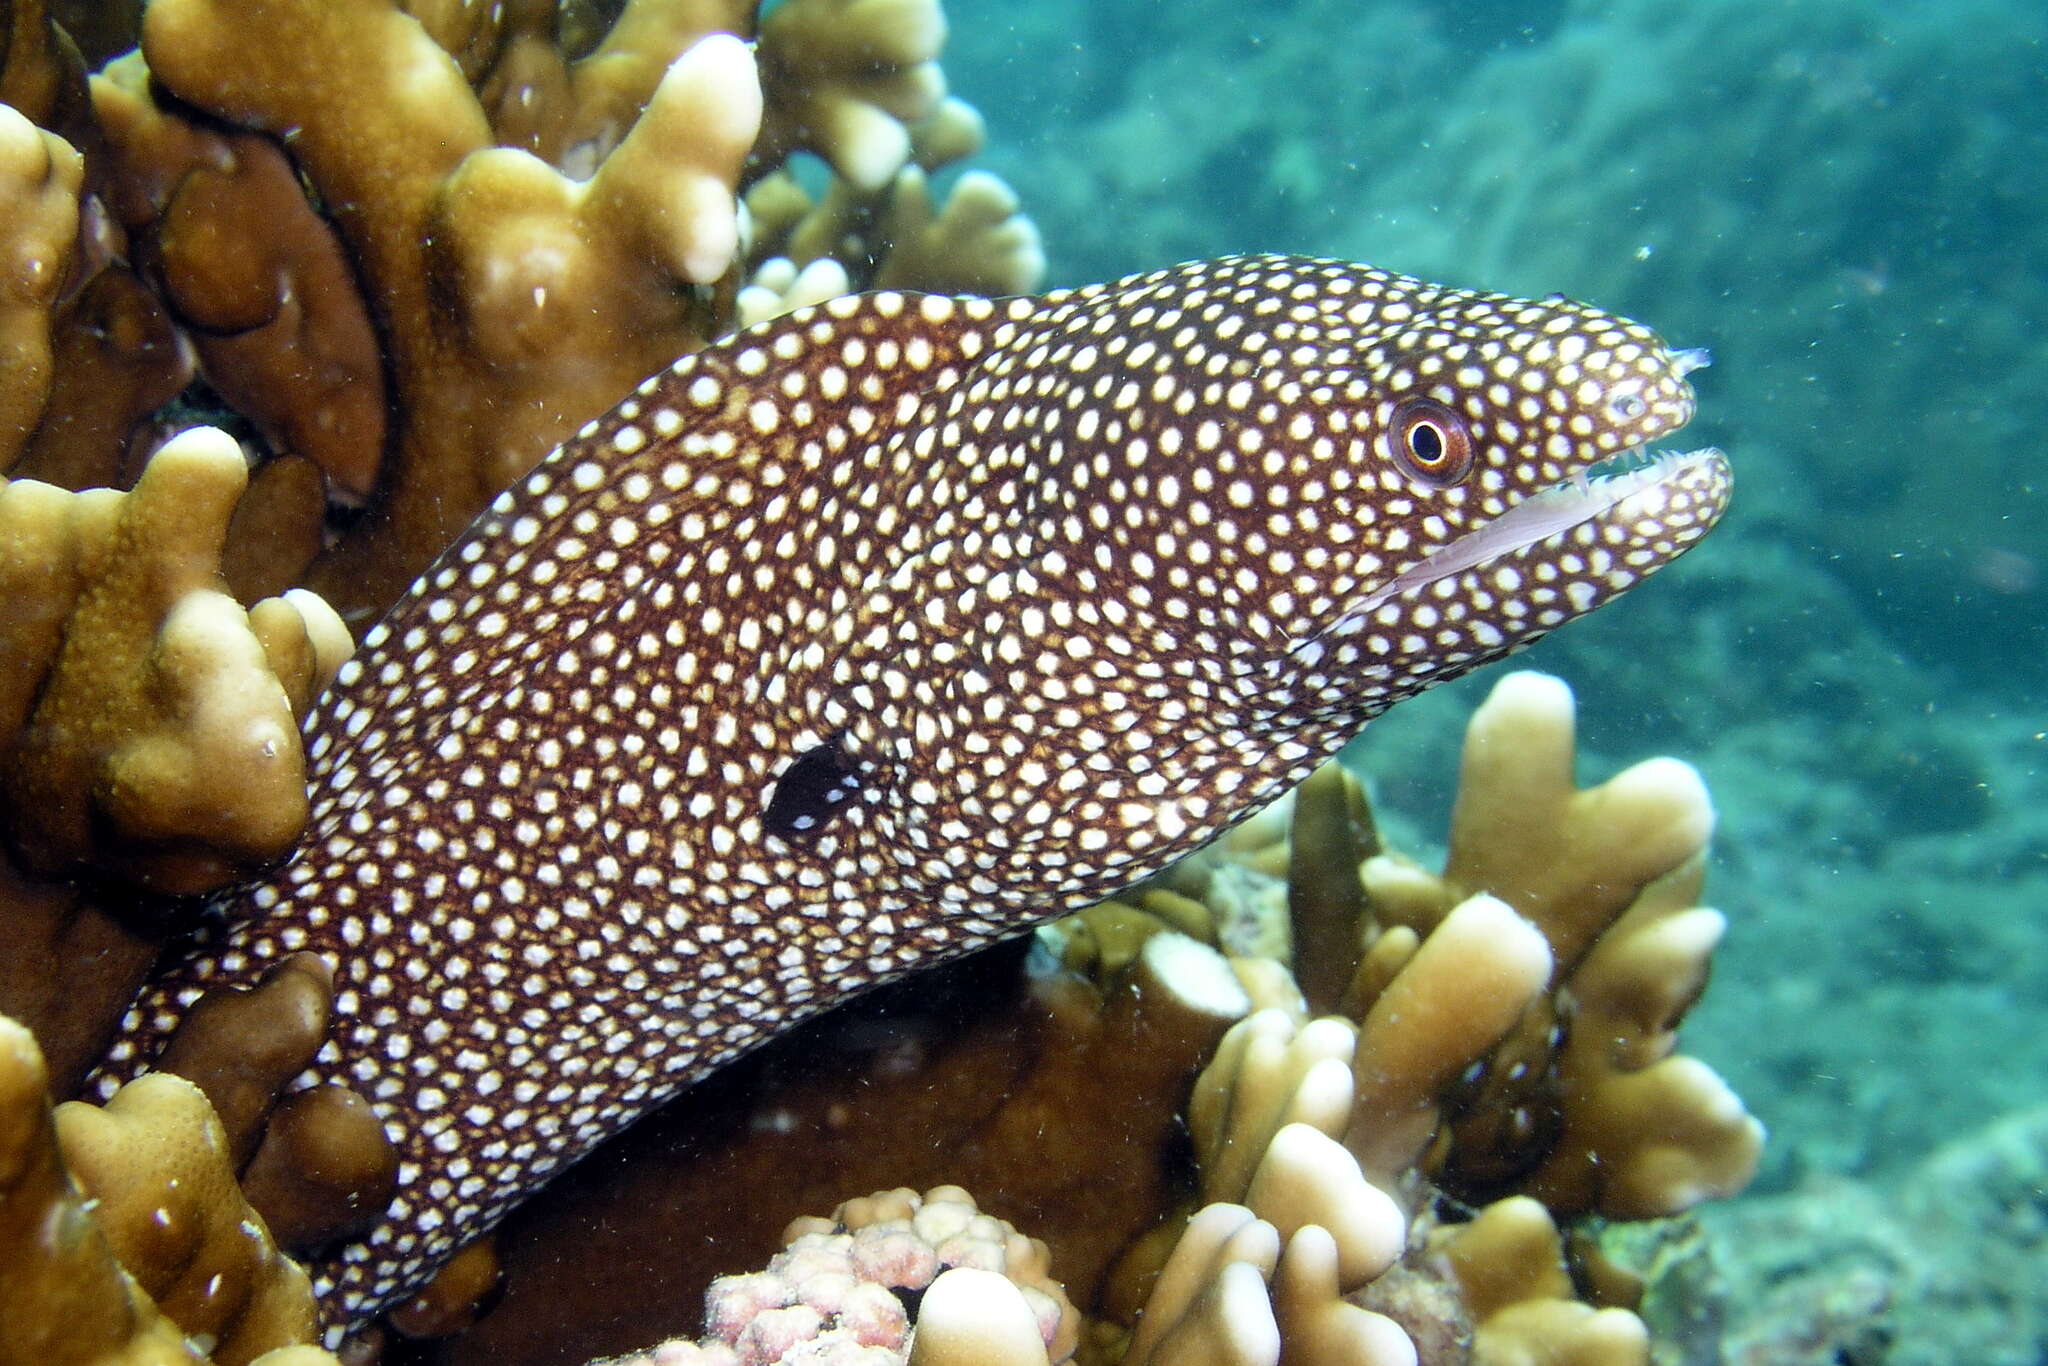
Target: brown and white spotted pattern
column 884, row 629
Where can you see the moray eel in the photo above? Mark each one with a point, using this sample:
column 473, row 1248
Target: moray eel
column 882, row 630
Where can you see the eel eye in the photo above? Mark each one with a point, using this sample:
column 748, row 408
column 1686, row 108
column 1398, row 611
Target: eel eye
column 819, row 785
column 1432, row 442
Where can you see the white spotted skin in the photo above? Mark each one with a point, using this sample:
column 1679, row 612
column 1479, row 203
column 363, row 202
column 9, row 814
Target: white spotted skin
column 1077, row 579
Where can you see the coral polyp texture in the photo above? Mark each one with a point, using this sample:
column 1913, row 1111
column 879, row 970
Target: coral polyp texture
column 738, row 765
column 1355, row 1126
column 125, row 1235
column 1317, row 1238
column 842, row 1287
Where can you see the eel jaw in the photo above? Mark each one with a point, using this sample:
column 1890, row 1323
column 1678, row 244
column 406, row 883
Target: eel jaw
column 1649, row 499
column 1554, row 556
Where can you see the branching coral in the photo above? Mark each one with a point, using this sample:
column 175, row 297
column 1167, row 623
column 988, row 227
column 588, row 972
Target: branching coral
column 852, row 78
column 1556, row 955
column 406, row 296
column 151, row 1249
column 418, row 249
column 39, row 180
column 1585, row 1105
column 154, row 720
column 65, row 1297
column 258, row 279
column 149, row 723
column 515, row 301
column 1028, row 1079
column 1235, row 1293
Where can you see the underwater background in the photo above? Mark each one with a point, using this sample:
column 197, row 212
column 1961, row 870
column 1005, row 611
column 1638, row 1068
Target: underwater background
column 1847, row 202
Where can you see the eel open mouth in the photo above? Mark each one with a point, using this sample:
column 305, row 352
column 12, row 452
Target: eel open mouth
column 1615, row 524
column 1632, row 490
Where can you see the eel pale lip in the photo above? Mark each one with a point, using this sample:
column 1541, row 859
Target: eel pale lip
column 1671, row 492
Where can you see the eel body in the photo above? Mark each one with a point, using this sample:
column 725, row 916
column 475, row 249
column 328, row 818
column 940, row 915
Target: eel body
column 883, row 630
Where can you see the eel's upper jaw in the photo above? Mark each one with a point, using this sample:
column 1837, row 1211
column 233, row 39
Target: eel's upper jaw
column 1559, row 553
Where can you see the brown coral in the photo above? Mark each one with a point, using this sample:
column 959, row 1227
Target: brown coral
column 1028, row 1079
column 1508, row 1264
column 510, row 293
column 1585, row 1105
column 40, row 175
column 415, row 248
column 256, row 277
column 65, row 1297
column 515, row 301
column 851, row 78
column 1579, row 984
column 1236, row 1293
column 154, row 1246
column 151, row 723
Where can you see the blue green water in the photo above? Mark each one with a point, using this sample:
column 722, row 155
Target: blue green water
column 1847, row 201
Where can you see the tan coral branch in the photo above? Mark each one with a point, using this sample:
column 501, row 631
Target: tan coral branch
column 163, row 744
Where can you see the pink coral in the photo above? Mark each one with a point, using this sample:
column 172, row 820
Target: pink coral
column 830, row 1297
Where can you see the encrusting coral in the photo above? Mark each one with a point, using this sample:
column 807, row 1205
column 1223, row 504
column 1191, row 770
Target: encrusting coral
column 881, row 1281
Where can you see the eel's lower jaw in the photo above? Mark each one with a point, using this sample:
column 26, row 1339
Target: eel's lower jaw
column 1659, row 503
column 1612, row 527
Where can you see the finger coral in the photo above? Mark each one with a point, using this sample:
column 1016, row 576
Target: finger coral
column 1005, row 1071
column 515, row 301
column 65, row 1297
column 1585, row 1105
column 1563, row 944
column 151, row 722
column 404, row 300
column 39, row 181
column 851, row 79
column 1236, row 1293
column 124, row 1235
column 1319, row 1230
column 415, row 249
